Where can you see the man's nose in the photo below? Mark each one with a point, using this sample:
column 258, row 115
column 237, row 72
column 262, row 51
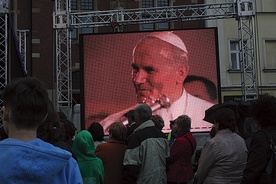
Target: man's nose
column 140, row 77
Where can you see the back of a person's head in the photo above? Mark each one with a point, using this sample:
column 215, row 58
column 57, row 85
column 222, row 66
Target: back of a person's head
column 96, row 130
column 62, row 116
column 130, row 116
column 143, row 112
column 26, row 101
column 264, row 110
column 51, row 130
column 83, row 145
column 118, row 131
column 70, row 129
column 226, row 119
column 158, row 121
column 184, row 122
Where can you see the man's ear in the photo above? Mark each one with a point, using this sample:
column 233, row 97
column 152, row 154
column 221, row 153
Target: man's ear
column 5, row 113
column 182, row 73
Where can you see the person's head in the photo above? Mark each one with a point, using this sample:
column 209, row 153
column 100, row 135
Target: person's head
column 159, row 67
column 264, row 110
column 70, row 129
column 225, row 118
column 183, row 123
column 130, row 117
column 118, row 131
column 96, row 130
column 142, row 113
column 158, row 121
column 24, row 104
column 62, row 115
column 51, row 130
column 201, row 87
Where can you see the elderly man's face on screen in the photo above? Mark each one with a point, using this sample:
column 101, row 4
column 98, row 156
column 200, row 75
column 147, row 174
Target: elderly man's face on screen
column 158, row 69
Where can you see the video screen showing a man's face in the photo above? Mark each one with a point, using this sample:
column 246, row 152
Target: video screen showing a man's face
column 124, row 69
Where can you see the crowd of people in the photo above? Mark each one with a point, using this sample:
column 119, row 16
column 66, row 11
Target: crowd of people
column 39, row 145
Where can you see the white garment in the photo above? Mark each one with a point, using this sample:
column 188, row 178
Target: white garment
column 186, row 105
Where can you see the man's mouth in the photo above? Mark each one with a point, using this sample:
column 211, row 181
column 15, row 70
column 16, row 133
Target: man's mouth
column 143, row 92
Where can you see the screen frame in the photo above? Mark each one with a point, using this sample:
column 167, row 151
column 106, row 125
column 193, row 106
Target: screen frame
column 82, row 63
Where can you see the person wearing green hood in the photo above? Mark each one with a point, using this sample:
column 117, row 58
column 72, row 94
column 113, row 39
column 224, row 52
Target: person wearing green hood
column 91, row 167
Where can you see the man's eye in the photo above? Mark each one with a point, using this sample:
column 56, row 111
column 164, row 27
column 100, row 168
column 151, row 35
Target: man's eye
column 149, row 70
column 135, row 69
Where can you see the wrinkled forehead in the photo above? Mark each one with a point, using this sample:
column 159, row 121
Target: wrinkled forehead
column 156, row 47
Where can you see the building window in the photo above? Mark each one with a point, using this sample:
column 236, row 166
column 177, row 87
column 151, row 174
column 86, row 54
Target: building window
column 270, row 54
column 74, row 5
column 86, row 5
column 234, row 55
column 78, row 6
column 151, row 4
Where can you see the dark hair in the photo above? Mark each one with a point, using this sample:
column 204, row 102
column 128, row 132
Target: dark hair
column 264, row 110
column 118, row 131
column 184, row 122
column 62, row 116
column 158, row 121
column 26, row 99
column 226, row 119
column 210, row 86
column 96, row 130
column 70, row 129
column 143, row 112
column 212, row 132
column 51, row 130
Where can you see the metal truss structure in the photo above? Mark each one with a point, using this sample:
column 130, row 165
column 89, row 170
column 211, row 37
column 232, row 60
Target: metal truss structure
column 22, row 41
column 64, row 20
column 4, row 13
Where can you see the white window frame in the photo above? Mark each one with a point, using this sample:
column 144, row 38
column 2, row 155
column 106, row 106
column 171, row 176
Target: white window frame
column 265, row 55
column 234, row 52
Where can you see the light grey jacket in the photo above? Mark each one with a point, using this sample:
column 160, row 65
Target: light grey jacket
column 223, row 159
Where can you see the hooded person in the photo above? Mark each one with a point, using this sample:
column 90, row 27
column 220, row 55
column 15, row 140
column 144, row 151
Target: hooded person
column 91, row 167
column 24, row 157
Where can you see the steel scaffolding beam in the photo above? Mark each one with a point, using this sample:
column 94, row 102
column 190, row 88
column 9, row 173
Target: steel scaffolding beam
column 22, row 41
column 4, row 13
column 63, row 57
column 249, row 82
column 64, row 20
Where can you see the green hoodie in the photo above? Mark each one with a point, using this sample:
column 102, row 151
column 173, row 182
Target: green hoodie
column 91, row 167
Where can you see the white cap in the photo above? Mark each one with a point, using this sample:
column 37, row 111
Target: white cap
column 171, row 38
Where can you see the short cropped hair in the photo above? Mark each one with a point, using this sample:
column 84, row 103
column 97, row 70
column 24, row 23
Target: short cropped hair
column 143, row 112
column 118, row 131
column 226, row 119
column 183, row 121
column 158, row 121
column 26, row 99
column 264, row 110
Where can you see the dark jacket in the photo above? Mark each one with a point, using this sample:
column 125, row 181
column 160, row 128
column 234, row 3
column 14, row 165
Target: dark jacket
column 258, row 156
column 112, row 154
column 179, row 164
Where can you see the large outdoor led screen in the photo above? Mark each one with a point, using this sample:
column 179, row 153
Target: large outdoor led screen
column 175, row 72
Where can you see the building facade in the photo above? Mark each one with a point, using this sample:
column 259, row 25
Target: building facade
column 36, row 17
